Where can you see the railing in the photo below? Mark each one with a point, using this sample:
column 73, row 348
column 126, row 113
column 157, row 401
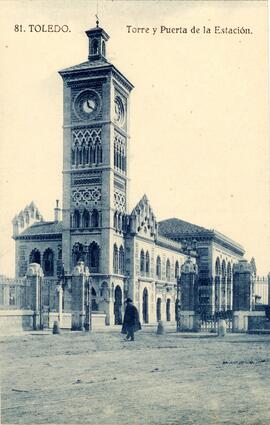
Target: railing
column 14, row 293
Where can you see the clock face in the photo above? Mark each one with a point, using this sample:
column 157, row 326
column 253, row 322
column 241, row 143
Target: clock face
column 119, row 111
column 87, row 104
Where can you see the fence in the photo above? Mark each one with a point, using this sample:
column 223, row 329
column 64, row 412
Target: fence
column 14, row 293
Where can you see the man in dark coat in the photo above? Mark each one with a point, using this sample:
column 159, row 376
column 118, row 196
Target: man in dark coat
column 131, row 321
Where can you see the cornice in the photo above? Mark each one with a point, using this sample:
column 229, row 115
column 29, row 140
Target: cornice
column 55, row 236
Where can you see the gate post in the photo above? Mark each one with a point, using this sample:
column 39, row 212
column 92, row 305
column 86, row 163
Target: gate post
column 243, row 294
column 243, row 286
column 34, row 278
column 80, row 275
column 189, row 297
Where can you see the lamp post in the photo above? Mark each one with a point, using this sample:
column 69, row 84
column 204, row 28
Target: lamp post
column 60, row 290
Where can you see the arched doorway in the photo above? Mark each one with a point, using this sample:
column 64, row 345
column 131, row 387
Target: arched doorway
column 145, row 306
column 118, row 306
column 168, row 310
column 158, row 309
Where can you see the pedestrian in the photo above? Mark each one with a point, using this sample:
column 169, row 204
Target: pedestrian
column 131, row 321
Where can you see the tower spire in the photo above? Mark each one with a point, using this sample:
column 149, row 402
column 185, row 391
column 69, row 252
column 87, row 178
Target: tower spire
column 97, row 42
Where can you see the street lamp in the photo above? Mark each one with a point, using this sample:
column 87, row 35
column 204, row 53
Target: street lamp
column 59, row 290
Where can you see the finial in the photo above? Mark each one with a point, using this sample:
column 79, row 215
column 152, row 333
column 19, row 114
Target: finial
column 97, row 21
column 57, row 203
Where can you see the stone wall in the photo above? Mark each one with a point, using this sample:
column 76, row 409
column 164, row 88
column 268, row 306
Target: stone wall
column 13, row 321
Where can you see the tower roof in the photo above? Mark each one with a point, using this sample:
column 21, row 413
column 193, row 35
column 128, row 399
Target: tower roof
column 97, row 59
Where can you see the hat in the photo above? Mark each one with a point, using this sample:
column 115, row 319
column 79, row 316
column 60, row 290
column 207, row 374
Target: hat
column 128, row 300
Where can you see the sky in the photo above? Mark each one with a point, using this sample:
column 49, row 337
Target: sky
column 198, row 119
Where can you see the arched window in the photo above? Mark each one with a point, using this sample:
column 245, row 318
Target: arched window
column 115, row 220
column 77, row 219
column 84, row 155
column 147, row 263
column 77, row 253
column 120, row 222
column 34, row 256
column 115, row 259
column 217, row 267
column 177, row 269
column 158, row 267
column 27, row 218
column 158, row 309
column 121, row 260
column 47, row 263
column 95, row 218
column 93, row 257
column 168, row 270
column 145, row 306
column 86, row 219
column 94, row 46
column 168, row 310
column 118, row 300
column 103, row 48
column 229, row 271
column 142, row 262
column 223, row 269
column 99, row 154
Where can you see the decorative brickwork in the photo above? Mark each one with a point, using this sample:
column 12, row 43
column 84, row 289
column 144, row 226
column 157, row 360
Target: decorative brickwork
column 86, row 147
column 85, row 197
column 119, row 200
column 120, row 161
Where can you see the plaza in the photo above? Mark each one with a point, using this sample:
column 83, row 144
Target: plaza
column 94, row 378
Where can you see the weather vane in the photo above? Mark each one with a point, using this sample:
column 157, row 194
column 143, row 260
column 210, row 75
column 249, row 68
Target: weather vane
column 97, row 21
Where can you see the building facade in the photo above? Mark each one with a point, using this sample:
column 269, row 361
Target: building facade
column 128, row 252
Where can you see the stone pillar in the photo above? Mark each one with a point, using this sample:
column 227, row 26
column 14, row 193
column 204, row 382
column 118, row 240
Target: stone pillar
column 225, row 293
column 219, row 288
column 178, row 305
column 212, row 295
column 189, row 296
column 110, row 308
column 80, row 275
column 243, row 286
column 34, row 280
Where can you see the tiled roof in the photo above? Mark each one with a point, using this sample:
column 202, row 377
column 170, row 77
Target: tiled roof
column 87, row 65
column 96, row 64
column 173, row 227
column 43, row 228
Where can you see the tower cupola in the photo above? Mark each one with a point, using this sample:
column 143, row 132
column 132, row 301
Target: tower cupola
column 97, row 43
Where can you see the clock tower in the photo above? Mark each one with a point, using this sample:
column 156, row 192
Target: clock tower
column 95, row 162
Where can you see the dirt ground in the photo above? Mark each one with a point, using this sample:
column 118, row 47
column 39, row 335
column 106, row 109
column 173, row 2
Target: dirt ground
column 97, row 378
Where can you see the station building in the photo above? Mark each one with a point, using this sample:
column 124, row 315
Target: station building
column 127, row 251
